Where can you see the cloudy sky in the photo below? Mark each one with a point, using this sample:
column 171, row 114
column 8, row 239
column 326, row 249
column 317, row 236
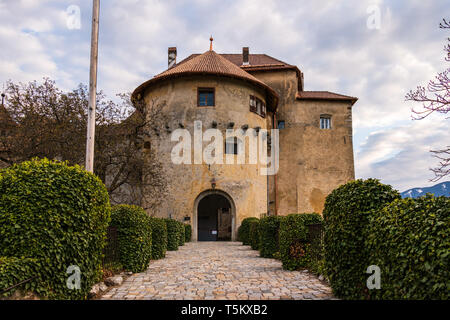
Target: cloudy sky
column 340, row 46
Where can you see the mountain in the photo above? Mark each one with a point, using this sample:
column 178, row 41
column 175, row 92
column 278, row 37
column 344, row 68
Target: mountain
column 440, row 189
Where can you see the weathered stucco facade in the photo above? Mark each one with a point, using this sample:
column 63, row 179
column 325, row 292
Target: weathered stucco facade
column 312, row 161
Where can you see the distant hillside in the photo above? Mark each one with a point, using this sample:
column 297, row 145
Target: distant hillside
column 440, row 189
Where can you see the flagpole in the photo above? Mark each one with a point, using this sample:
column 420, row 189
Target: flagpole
column 92, row 88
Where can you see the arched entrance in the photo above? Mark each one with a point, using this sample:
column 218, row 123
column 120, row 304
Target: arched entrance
column 214, row 216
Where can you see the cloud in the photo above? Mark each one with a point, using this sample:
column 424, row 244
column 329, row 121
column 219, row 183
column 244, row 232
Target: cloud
column 401, row 156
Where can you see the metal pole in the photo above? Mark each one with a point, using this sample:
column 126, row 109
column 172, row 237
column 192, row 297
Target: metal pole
column 92, row 88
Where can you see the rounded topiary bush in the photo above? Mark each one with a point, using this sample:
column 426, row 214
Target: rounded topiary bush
column 187, row 232
column 244, row 230
column 181, row 235
column 173, row 233
column 159, row 238
column 268, row 236
column 56, row 215
column 254, row 234
column 409, row 240
column 294, row 242
column 134, row 234
column 346, row 215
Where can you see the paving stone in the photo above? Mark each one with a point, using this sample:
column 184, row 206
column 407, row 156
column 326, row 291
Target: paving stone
column 216, row 271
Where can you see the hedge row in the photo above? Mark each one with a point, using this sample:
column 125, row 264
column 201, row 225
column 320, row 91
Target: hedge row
column 367, row 224
column 134, row 234
column 346, row 214
column 410, row 241
column 283, row 237
column 294, row 241
column 187, row 232
column 268, row 236
column 244, row 230
column 52, row 216
column 142, row 238
column 159, row 237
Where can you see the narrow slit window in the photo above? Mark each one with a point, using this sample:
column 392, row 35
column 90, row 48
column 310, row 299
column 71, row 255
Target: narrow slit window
column 281, row 124
column 231, row 146
column 206, row 97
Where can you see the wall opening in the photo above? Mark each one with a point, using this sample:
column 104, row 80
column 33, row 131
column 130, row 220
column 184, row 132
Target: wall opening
column 214, row 217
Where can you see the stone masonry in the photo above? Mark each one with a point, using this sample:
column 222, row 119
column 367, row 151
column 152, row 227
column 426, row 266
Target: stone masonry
column 218, row 271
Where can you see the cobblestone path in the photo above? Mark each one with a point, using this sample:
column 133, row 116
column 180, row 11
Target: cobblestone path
column 217, row 271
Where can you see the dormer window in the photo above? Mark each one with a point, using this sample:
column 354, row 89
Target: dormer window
column 206, row 97
column 257, row 106
column 325, row 121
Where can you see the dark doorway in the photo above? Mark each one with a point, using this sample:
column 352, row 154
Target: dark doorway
column 214, row 218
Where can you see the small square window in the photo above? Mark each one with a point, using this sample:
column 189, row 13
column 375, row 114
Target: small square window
column 280, row 124
column 325, row 122
column 206, row 97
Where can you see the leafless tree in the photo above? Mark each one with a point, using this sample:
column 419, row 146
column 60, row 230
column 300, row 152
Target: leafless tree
column 40, row 120
column 435, row 98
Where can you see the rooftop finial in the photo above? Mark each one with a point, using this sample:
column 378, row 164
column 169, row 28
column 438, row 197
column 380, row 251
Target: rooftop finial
column 210, row 45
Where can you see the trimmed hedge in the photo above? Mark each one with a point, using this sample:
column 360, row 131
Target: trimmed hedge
column 410, row 241
column 254, row 234
column 187, row 232
column 159, row 238
column 293, row 237
column 244, row 230
column 14, row 270
column 134, row 234
column 172, row 234
column 347, row 213
column 58, row 215
column 268, row 236
column 181, row 235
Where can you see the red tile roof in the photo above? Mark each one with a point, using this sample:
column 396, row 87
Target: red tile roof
column 209, row 63
column 324, row 95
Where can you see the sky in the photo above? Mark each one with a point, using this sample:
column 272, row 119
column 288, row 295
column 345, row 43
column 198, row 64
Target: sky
column 374, row 50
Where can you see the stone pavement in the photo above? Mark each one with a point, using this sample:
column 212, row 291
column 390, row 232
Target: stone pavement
column 218, row 271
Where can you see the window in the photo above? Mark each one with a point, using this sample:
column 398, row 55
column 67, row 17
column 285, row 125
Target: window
column 257, row 106
column 206, row 97
column 280, row 124
column 231, row 146
column 325, row 121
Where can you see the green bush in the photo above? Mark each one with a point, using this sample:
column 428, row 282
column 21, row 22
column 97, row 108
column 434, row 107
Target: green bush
column 14, row 270
column 268, row 236
column 58, row 215
column 172, row 234
column 410, row 241
column 181, row 235
column 159, row 238
column 134, row 234
column 346, row 214
column 293, row 235
column 187, row 232
column 244, row 230
column 254, row 234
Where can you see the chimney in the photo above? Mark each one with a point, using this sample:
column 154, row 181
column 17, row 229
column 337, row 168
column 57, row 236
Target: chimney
column 172, row 53
column 245, row 55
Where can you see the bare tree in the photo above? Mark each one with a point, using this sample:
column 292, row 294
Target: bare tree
column 435, row 97
column 39, row 120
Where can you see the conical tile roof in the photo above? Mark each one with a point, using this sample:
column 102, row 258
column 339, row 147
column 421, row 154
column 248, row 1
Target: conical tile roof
column 210, row 63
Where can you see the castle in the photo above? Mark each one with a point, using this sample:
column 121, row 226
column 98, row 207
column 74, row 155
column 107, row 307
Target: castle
column 247, row 93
